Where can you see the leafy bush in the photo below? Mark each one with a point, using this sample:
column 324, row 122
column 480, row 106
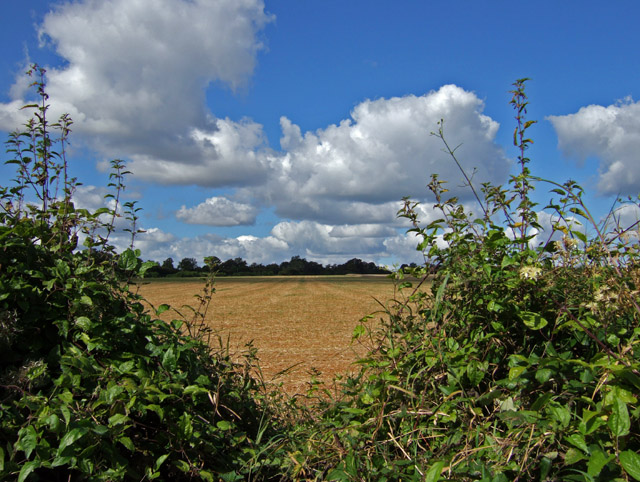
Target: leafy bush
column 92, row 386
column 502, row 358
column 508, row 359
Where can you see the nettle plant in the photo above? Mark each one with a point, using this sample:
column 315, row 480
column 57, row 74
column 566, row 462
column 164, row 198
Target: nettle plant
column 507, row 359
column 93, row 386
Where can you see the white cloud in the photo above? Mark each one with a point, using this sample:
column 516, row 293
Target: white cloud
column 624, row 217
column 612, row 134
column 159, row 245
column 135, row 78
column 218, row 211
column 358, row 170
column 314, row 241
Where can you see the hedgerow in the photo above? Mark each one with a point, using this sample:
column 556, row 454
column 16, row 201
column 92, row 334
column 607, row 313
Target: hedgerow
column 92, row 385
column 510, row 354
column 512, row 357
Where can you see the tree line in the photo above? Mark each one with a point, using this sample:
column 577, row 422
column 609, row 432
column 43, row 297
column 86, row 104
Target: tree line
column 188, row 267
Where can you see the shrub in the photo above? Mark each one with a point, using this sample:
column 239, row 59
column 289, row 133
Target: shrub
column 92, row 386
column 509, row 359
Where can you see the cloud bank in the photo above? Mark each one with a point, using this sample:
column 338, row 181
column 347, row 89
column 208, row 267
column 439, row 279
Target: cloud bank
column 611, row 134
column 135, row 76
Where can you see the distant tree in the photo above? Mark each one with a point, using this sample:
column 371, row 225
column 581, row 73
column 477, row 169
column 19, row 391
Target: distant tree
column 168, row 264
column 188, row 264
column 234, row 267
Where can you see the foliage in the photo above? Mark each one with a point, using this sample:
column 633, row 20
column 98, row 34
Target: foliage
column 188, row 267
column 92, row 386
column 502, row 357
column 509, row 358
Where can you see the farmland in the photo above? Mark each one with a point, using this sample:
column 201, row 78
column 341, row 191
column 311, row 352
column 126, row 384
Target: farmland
column 296, row 323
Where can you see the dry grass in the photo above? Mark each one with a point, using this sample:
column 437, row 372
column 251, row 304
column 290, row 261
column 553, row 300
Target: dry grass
column 297, row 323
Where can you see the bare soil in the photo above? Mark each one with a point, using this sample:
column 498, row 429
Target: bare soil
column 298, row 324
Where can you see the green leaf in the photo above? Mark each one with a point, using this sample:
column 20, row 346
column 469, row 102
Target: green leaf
column 577, row 440
column 543, row 374
column 560, row 414
column 515, row 372
column 597, row 461
column 28, row 440
column 630, row 462
column 186, row 428
column 206, row 475
column 358, row 331
column 128, row 260
column 573, row 456
column 71, row 437
column 169, row 359
column 182, row 465
column 433, row 474
column 126, row 441
column 86, row 300
column 159, row 461
column 476, row 371
column 84, row 323
column 224, row 425
column 545, row 467
column 337, row 474
column 578, row 211
column 580, row 235
column 194, row 390
column 618, row 422
column 532, row 320
column 118, row 419
column 162, row 308
column 27, row 469
column 146, row 266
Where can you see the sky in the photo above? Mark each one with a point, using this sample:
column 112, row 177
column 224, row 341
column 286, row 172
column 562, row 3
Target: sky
column 278, row 128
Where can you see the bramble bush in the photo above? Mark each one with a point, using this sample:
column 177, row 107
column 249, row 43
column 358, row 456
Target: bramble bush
column 510, row 354
column 509, row 358
column 92, row 386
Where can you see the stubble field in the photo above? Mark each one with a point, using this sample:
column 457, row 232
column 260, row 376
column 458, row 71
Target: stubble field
column 296, row 323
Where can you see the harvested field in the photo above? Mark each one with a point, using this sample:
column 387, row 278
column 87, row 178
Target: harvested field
column 297, row 323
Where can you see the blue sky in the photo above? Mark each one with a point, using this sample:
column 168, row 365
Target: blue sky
column 264, row 130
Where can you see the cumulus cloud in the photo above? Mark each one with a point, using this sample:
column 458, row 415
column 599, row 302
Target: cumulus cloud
column 135, row 79
column 218, row 211
column 612, row 134
column 322, row 243
column 159, row 245
column 359, row 169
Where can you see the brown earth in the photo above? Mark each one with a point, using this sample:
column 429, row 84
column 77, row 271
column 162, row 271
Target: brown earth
column 296, row 323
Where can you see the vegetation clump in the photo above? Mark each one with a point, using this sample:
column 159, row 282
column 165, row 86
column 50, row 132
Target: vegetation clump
column 513, row 357
column 520, row 361
column 93, row 387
